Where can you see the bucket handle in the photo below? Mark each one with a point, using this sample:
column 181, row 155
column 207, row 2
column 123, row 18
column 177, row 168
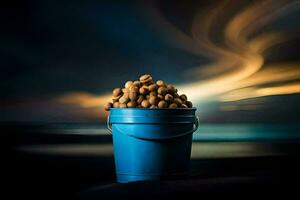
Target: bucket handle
column 196, row 123
column 109, row 124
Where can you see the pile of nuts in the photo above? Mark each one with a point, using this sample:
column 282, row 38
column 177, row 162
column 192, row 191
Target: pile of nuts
column 145, row 93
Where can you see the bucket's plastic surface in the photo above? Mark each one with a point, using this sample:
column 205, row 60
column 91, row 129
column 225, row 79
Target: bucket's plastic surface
column 151, row 144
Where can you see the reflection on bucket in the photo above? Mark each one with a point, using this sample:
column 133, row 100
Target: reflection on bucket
column 151, row 144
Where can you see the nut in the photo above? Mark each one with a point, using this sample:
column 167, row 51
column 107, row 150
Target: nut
column 124, row 99
column 133, row 96
column 107, row 106
column 145, row 77
column 169, row 98
column 131, row 104
column 140, row 99
column 153, row 87
column 133, row 92
column 123, row 105
column 153, row 100
column 145, row 104
column 153, row 93
column 189, row 104
column 161, row 97
column 171, row 89
column 153, row 106
column 145, row 93
column 162, row 104
column 144, row 90
column 173, row 105
column 184, row 106
column 133, row 88
column 128, row 84
column 162, row 90
column 116, row 104
column 160, row 83
column 150, row 82
column 137, row 83
column 183, row 97
column 178, row 101
column 125, row 90
column 117, row 92
column 116, row 98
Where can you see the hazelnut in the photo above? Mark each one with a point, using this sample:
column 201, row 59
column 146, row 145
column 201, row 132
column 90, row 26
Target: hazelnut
column 162, row 104
column 144, row 90
column 133, row 95
column 145, row 104
column 128, row 84
column 147, row 82
column 125, row 90
column 178, row 101
column 133, row 88
column 189, row 104
column 153, row 106
column 162, row 90
column 171, row 89
column 150, row 82
column 160, row 83
column 116, row 104
column 145, row 93
column 107, row 106
column 153, row 100
column 161, row 97
column 173, row 105
column 117, row 92
column 124, row 99
column 123, row 105
column 140, row 99
column 152, row 87
column 116, row 98
column 184, row 106
column 137, row 83
column 131, row 104
column 169, row 98
column 153, row 93
column 145, row 77
column 183, row 97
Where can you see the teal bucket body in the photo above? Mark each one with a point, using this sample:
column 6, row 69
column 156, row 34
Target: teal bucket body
column 151, row 144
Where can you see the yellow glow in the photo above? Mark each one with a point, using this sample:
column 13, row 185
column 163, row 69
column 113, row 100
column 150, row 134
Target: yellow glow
column 254, row 92
column 85, row 100
column 237, row 62
column 240, row 107
column 280, row 90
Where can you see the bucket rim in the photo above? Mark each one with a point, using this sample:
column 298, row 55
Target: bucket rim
column 193, row 108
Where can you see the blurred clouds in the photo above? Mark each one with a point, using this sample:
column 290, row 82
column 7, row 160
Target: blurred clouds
column 221, row 47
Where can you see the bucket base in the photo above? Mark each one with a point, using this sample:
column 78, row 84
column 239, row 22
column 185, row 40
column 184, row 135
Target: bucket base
column 124, row 178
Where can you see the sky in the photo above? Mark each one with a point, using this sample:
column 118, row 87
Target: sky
column 237, row 61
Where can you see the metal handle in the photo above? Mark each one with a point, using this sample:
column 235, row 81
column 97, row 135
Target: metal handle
column 109, row 126
column 196, row 124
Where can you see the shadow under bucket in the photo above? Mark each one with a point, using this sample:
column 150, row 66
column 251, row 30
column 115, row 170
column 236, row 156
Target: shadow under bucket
column 151, row 144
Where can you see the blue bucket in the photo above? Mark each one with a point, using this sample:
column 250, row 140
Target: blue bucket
column 151, row 144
